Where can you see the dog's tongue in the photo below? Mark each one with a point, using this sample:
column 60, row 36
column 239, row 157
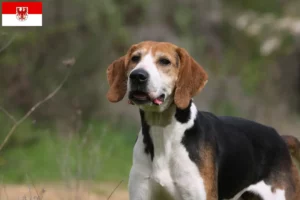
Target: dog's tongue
column 157, row 101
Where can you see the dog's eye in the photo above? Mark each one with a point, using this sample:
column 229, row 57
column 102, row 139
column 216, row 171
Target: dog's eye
column 135, row 58
column 164, row 61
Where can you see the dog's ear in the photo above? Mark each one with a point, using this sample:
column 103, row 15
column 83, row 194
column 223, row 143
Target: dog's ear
column 117, row 77
column 191, row 79
column 117, row 80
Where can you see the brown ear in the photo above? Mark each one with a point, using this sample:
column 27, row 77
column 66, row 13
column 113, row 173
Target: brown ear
column 117, row 77
column 191, row 79
column 117, row 80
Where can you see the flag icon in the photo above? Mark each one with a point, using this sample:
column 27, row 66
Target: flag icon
column 22, row 14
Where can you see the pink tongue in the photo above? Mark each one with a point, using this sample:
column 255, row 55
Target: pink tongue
column 157, row 101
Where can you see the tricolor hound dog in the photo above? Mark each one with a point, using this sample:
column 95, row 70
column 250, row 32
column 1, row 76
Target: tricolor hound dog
column 184, row 154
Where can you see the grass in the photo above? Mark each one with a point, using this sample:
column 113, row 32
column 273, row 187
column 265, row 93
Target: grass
column 101, row 153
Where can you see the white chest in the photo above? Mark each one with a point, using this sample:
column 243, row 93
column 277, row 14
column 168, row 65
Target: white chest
column 171, row 174
column 172, row 170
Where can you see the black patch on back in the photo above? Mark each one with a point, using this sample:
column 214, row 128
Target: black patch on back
column 149, row 148
column 184, row 115
column 245, row 151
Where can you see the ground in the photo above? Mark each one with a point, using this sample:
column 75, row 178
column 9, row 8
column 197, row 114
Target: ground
column 62, row 191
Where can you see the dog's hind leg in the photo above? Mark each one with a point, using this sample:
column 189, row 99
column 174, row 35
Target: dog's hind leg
column 250, row 196
column 265, row 192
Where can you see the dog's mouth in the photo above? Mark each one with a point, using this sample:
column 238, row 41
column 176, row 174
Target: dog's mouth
column 139, row 97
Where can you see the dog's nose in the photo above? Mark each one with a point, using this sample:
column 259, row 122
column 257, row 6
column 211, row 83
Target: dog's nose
column 139, row 76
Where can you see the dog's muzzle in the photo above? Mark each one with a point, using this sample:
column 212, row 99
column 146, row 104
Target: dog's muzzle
column 139, row 93
column 139, row 77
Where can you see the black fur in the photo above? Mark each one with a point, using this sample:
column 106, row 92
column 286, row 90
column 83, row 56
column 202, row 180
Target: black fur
column 245, row 151
column 184, row 115
column 149, row 148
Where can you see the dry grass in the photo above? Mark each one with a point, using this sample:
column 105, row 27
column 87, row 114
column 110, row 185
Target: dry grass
column 59, row 191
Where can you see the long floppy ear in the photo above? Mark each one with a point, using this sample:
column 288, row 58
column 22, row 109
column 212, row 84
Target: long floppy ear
column 117, row 77
column 191, row 79
column 117, row 80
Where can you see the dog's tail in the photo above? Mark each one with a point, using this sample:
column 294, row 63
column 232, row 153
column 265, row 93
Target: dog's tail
column 294, row 147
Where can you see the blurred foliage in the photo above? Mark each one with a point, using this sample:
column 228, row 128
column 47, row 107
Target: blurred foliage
column 24, row 136
column 225, row 108
column 93, row 156
column 259, row 6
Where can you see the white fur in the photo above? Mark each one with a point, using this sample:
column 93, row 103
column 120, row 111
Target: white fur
column 159, row 83
column 171, row 172
column 155, row 82
column 264, row 191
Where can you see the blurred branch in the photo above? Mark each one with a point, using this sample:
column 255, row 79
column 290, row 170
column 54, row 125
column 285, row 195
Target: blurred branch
column 114, row 189
column 38, row 104
column 8, row 43
column 8, row 114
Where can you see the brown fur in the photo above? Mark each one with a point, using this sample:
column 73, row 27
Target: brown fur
column 288, row 179
column 188, row 76
column 208, row 172
column 117, row 77
column 296, row 183
column 191, row 79
column 281, row 180
column 294, row 147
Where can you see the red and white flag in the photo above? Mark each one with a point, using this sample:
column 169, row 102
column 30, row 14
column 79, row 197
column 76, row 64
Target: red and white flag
column 22, row 14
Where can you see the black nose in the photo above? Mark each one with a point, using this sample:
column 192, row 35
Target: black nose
column 139, row 76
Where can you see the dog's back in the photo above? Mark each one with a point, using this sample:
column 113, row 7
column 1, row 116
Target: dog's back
column 247, row 152
column 271, row 155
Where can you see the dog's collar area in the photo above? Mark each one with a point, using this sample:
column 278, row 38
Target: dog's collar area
column 183, row 115
column 149, row 119
column 164, row 118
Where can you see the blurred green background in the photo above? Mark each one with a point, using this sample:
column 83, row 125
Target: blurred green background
column 250, row 48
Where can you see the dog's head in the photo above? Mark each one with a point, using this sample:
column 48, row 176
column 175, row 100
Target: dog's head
column 155, row 74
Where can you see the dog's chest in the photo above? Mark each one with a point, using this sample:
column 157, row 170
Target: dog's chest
column 172, row 171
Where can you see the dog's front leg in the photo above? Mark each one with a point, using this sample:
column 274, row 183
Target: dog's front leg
column 140, row 187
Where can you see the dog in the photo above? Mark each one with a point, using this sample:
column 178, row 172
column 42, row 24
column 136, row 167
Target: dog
column 185, row 154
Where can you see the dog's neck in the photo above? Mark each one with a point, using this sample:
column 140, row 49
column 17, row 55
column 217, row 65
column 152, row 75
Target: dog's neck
column 160, row 118
column 173, row 122
column 166, row 117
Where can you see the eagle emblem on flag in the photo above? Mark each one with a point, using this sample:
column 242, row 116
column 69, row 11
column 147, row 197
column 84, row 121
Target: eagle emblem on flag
column 22, row 13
